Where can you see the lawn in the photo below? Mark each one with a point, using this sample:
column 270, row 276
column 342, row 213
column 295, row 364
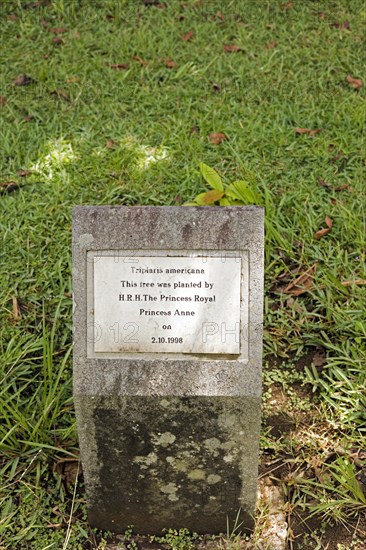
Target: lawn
column 118, row 102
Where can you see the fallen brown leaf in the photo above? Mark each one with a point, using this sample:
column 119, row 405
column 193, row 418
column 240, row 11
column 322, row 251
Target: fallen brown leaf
column 69, row 469
column 12, row 17
column 355, row 282
column 186, row 37
column 60, row 94
column 271, row 45
column 54, row 525
column 73, row 79
column 58, row 30
column 16, row 310
column 343, row 186
column 321, row 233
column 217, row 137
column 23, row 80
column 319, row 358
column 139, row 59
column 195, row 130
column 170, row 64
column 287, row 6
column 28, row 118
column 323, row 183
column 342, row 25
column 3, row 100
column 219, row 15
column 110, row 144
column 57, row 40
column 303, row 283
column 8, row 186
column 328, row 222
column 356, row 83
column 285, row 274
column 308, row 131
column 337, row 156
column 334, row 201
column 24, row 173
column 232, row 48
column 123, row 66
column 44, row 23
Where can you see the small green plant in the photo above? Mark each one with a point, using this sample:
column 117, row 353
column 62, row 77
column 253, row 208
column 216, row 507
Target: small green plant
column 242, row 192
column 239, row 193
column 177, row 540
column 336, row 495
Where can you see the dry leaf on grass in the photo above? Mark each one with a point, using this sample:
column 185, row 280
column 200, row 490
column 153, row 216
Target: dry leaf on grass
column 118, row 66
column 139, row 59
column 110, row 144
column 328, row 222
column 187, row 36
column 16, row 309
column 232, row 48
column 308, row 131
column 8, row 186
column 195, row 129
column 322, row 232
column 323, row 183
column 61, row 94
column 69, row 469
column 303, row 283
column 170, row 64
column 3, row 100
column 337, row 156
column 342, row 187
column 271, row 45
column 355, row 83
column 356, row 282
column 319, row 358
column 342, row 25
column 23, row 80
column 58, row 30
column 217, row 137
column 57, row 40
column 25, row 173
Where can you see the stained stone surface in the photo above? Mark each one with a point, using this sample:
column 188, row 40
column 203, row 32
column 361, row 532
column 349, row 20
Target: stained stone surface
column 169, row 439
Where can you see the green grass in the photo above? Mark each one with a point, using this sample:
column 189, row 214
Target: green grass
column 160, row 120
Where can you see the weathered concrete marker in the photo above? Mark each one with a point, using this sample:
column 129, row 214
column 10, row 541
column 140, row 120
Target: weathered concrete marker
column 167, row 364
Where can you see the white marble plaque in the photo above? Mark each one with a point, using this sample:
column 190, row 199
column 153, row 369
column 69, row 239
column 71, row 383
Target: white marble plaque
column 167, row 304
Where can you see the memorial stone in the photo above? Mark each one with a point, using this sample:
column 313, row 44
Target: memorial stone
column 167, row 364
